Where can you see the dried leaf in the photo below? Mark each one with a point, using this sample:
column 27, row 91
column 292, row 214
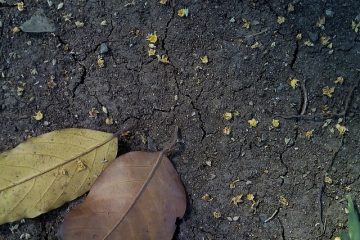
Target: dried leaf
column 43, row 173
column 139, row 196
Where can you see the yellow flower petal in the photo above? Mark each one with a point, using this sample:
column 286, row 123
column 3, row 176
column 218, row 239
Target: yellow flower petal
column 79, row 24
column 283, row 201
column 250, row 197
column 227, row 130
column 204, row 59
column 20, row 6
column 253, row 122
column 152, row 37
column 38, row 115
column 328, row 91
column 294, row 83
column 163, row 58
column 237, row 199
column 100, row 62
column 321, row 22
column 183, row 12
column 280, row 19
column 355, row 26
column 308, row 43
column 275, row 123
column 227, row 116
column 15, row 30
column 246, row 23
column 309, row 134
column 341, row 129
column 152, row 52
column 339, row 80
column 217, row 214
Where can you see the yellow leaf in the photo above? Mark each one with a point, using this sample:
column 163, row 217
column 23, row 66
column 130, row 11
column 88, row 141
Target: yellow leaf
column 183, row 12
column 253, row 122
column 152, row 37
column 328, row 91
column 280, row 19
column 308, row 43
column 275, row 123
column 341, row 129
column 227, row 116
column 204, row 59
column 46, row 171
column 38, row 116
column 294, row 83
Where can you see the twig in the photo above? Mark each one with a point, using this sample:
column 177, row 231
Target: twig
column 272, row 216
column 258, row 33
column 305, row 98
column 342, row 114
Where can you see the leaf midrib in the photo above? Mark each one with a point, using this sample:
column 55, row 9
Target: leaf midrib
column 60, row 164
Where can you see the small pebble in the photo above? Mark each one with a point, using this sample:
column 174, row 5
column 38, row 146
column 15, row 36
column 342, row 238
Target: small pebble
column 103, row 48
column 329, row 13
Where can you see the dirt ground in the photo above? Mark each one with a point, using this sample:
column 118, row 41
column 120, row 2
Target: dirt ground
column 299, row 181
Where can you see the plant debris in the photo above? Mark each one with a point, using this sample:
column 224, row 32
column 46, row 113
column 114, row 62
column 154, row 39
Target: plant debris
column 253, row 122
column 183, row 12
column 328, row 91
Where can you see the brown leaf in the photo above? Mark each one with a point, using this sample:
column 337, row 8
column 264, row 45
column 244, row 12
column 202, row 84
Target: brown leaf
column 139, row 196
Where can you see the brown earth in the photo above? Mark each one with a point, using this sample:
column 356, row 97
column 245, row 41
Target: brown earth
column 251, row 81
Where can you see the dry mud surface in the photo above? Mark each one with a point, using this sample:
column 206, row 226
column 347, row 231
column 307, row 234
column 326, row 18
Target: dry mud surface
column 247, row 74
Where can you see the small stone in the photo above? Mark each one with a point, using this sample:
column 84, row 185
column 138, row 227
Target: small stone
column 60, row 6
column 103, row 48
column 232, row 20
column 37, row 24
column 313, row 36
column 329, row 13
